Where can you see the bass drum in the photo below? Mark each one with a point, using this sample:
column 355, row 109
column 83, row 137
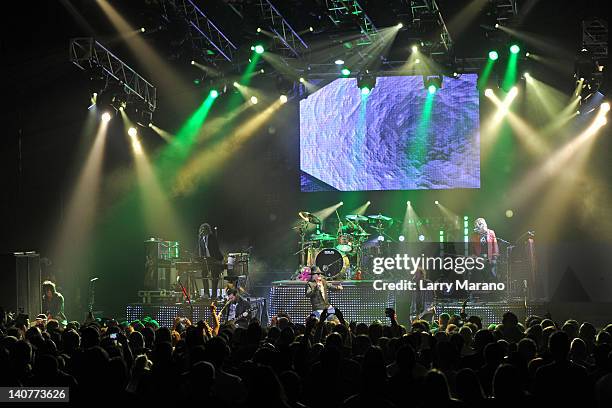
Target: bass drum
column 332, row 262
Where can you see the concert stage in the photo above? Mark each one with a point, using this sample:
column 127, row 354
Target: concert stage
column 358, row 300
column 165, row 314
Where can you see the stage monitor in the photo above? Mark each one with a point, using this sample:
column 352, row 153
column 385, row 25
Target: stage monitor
column 398, row 136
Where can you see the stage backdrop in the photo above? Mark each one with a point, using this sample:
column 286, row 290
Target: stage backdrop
column 398, row 137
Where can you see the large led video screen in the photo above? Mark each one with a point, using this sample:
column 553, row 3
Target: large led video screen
column 398, row 137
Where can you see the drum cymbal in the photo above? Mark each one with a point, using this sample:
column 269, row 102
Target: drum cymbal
column 322, row 237
column 356, row 218
column 381, row 217
column 310, row 217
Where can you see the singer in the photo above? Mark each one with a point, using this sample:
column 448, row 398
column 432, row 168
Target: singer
column 484, row 244
column 211, row 257
column 317, row 292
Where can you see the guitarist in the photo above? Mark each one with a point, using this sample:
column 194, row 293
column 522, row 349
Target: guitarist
column 211, row 256
column 238, row 309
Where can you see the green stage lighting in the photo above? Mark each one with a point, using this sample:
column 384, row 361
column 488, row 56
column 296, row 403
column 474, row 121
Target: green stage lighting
column 493, row 55
column 214, row 93
column 345, row 71
column 431, row 89
column 515, row 49
column 259, row 49
column 365, row 90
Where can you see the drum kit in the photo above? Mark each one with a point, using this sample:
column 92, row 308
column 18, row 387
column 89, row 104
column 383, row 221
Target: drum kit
column 341, row 255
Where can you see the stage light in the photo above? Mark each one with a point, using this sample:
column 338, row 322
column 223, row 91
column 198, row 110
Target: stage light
column 496, row 25
column 254, row 100
column 436, row 202
column 150, row 124
column 259, row 49
column 365, row 90
column 455, row 75
column 142, row 30
column 513, row 92
column 527, row 54
column 192, row 62
column 302, row 80
column 283, row 98
column 341, row 203
column 400, row 25
column 106, row 117
column 488, row 92
column 421, row 237
column 311, row 29
column 401, row 238
column 605, row 107
column 509, row 213
column 408, row 202
column 432, row 83
column 515, row 49
column 259, row 29
column 415, row 48
column 214, row 93
column 368, row 203
column 527, row 75
column 345, row 71
column 262, row 71
column 493, row 55
column 381, row 238
column 417, row 61
column 339, row 62
column 132, row 132
column 235, row 84
column 431, row 89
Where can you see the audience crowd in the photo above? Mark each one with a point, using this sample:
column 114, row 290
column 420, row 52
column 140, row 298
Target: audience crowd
column 450, row 362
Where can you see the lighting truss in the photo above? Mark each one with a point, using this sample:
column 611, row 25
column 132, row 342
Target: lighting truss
column 203, row 30
column 286, row 39
column 595, row 37
column 420, row 8
column 87, row 54
column 506, row 11
column 350, row 10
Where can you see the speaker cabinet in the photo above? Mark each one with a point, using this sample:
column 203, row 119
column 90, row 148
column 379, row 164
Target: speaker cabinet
column 20, row 290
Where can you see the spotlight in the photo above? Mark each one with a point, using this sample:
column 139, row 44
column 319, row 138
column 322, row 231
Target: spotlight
column 302, row 80
column 214, row 93
column 150, row 124
column 339, row 62
column 515, row 49
column 254, row 100
column 432, row 83
column 527, row 75
column 513, row 92
column 142, row 30
column 496, row 25
column 368, row 203
column 262, row 71
column 345, row 71
column 417, row 61
column 400, row 25
column 341, row 203
column 381, row 238
column 192, row 62
column 605, row 107
column 455, row 75
column 401, row 238
column 106, row 117
column 366, row 83
column 235, row 84
column 421, row 237
column 259, row 49
column 509, row 213
column 415, row 48
column 259, row 29
column 283, row 98
column 527, row 54
column 311, row 29
column 408, row 202
column 132, row 132
column 436, row 202
column 493, row 55
column 488, row 92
